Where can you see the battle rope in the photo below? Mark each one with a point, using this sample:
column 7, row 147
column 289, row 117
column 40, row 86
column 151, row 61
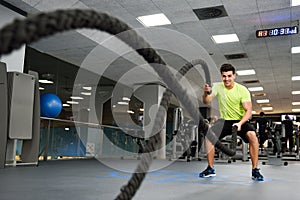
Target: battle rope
column 128, row 191
column 35, row 27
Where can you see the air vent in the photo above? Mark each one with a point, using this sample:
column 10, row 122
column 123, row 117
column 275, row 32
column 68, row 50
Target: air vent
column 236, row 56
column 250, row 81
column 259, row 94
column 210, row 13
column 265, row 105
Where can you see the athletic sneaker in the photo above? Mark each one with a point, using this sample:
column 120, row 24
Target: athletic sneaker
column 256, row 175
column 208, row 172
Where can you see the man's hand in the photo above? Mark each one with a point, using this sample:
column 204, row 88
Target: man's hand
column 238, row 126
column 207, row 89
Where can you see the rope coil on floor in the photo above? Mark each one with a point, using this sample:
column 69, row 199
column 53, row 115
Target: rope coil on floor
column 35, row 27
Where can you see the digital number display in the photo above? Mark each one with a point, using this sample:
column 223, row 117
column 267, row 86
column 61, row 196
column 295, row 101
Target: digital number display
column 277, row 32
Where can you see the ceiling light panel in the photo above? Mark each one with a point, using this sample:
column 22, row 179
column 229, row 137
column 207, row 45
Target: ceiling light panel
column 87, row 88
column 295, row 103
column 255, row 89
column 77, row 98
column 45, row 81
column 263, row 101
column 245, row 72
column 267, row 108
column 295, row 50
column 219, row 39
column 295, row 78
column 295, row 2
column 125, row 99
column 296, row 92
column 154, row 20
column 72, row 102
column 123, row 103
column 86, row 93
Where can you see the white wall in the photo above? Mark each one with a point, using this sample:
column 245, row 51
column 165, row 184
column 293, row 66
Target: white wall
column 15, row 60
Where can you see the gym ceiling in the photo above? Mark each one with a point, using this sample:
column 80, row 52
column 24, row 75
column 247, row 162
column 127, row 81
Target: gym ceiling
column 198, row 21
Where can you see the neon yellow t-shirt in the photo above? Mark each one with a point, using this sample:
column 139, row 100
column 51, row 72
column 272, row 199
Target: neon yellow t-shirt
column 230, row 101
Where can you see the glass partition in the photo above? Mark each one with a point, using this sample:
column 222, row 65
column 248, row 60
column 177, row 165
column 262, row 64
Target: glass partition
column 62, row 139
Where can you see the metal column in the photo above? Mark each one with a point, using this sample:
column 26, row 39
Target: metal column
column 3, row 113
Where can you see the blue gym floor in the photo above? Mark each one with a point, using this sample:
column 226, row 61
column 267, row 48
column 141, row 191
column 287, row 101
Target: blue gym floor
column 89, row 179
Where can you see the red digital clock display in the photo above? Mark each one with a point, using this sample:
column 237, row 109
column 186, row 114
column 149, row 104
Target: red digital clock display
column 277, row 32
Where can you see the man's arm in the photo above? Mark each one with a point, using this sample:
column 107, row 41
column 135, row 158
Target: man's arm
column 207, row 95
column 248, row 108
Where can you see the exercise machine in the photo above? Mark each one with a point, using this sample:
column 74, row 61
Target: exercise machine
column 185, row 137
column 275, row 157
column 21, row 112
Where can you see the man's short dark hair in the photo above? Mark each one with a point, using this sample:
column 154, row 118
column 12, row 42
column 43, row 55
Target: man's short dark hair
column 227, row 67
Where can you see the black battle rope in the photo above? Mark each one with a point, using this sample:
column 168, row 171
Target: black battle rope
column 154, row 142
column 35, row 27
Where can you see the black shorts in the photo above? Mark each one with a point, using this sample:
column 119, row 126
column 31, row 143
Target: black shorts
column 222, row 128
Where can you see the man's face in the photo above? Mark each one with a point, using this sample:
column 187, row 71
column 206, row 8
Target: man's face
column 228, row 79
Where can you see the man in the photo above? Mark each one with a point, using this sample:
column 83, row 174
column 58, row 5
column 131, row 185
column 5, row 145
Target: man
column 288, row 125
column 262, row 126
column 235, row 110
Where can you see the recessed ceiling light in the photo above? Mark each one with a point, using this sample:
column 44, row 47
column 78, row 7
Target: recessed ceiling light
column 295, row 2
column 125, row 99
column 295, row 78
column 154, row 20
column 66, row 105
column 77, row 98
column 296, row 92
column 122, row 103
column 87, row 88
column 130, row 111
column 267, row 108
column 295, row 50
column 296, row 110
column 262, row 100
column 72, row 102
column 45, row 81
column 86, row 93
column 245, row 72
column 225, row 38
column 254, row 89
column 295, row 103
column 41, row 88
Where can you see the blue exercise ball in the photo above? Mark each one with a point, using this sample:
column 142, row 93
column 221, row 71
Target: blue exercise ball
column 51, row 105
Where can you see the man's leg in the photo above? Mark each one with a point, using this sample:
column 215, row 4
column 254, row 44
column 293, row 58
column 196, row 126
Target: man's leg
column 216, row 130
column 210, row 150
column 209, row 171
column 253, row 148
column 291, row 142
